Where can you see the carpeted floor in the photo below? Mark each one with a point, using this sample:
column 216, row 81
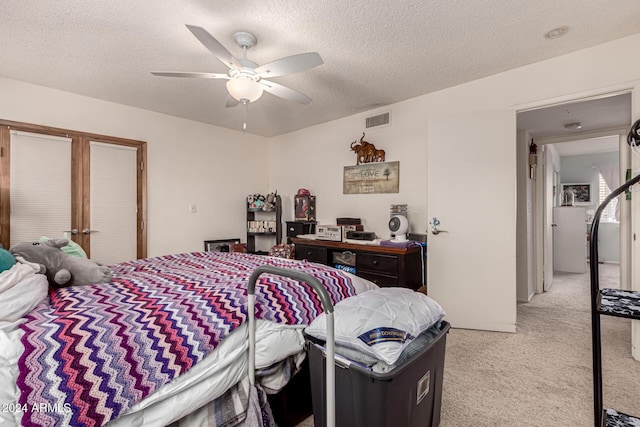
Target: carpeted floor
column 541, row 375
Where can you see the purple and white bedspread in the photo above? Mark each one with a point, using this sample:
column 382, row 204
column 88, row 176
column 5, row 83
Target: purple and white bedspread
column 94, row 351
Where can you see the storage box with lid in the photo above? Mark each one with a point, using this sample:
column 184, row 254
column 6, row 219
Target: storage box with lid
column 409, row 395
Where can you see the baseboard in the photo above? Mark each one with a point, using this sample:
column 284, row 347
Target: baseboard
column 492, row 327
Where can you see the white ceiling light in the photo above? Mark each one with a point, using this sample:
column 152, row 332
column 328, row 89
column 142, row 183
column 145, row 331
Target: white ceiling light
column 573, row 126
column 244, row 88
column 557, row 32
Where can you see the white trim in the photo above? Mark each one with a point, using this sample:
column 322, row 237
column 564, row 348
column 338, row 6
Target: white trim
column 618, row 89
column 590, row 95
column 626, row 220
column 599, row 133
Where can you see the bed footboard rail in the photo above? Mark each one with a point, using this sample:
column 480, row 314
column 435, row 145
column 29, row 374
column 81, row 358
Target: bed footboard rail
column 328, row 309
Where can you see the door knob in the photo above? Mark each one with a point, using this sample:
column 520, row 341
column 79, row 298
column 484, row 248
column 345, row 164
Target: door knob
column 554, row 225
column 87, row 231
column 435, row 223
column 72, row 231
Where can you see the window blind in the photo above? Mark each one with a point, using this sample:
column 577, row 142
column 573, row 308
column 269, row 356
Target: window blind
column 609, row 213
column 40, row 188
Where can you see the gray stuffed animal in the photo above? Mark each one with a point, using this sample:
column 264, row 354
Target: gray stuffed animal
column 60, row 268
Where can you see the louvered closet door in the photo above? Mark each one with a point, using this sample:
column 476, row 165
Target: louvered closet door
column 40, row 189
column 113, row 205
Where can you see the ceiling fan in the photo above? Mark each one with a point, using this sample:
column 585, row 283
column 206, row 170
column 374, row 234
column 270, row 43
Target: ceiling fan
column 246, row 81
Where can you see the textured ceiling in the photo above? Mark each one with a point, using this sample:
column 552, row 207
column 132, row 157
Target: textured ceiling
column 605, row 144
column 376, row 52
column 594, row 114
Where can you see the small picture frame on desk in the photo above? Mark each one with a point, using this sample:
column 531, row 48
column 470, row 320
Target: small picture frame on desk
column 222, row 245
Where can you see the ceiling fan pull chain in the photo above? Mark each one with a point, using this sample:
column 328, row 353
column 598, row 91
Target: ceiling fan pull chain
column 246, row 107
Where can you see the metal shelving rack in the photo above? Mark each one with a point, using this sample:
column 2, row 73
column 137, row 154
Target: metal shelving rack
column 609, row 302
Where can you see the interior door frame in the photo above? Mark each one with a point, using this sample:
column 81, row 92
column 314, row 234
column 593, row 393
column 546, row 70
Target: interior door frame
column 548, row 218
column 625, row 219
column 80, row 194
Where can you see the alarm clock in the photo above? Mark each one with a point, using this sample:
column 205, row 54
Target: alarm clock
column 399, row 227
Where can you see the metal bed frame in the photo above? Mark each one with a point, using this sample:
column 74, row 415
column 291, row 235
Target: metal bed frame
column 328, row 309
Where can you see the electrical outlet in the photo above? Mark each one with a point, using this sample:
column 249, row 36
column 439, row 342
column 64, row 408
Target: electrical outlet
column 192, row 208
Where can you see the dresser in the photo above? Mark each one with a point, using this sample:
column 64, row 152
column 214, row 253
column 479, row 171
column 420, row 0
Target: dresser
column 383, row 265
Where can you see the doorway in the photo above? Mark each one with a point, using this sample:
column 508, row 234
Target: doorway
column 572, row 125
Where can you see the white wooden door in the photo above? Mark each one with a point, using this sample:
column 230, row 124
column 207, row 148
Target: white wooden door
column 471, row 162
column 570, row 239
column 548, row 201
column 93, row 200
column 113, row 209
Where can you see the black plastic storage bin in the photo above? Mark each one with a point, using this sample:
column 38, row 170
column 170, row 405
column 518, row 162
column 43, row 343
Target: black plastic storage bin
column 408, row 396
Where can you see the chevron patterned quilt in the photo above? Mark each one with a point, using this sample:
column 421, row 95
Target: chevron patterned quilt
column 91, row 352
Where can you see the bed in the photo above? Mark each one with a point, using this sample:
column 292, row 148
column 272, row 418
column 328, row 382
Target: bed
column 162, row 344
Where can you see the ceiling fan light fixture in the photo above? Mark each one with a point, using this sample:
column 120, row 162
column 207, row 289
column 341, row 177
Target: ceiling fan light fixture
column 243, row 88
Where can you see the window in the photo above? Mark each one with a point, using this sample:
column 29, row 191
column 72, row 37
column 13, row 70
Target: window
column 609, row 214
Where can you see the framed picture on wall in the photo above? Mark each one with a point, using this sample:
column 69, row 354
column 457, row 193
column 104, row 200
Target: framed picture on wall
column 581, row 191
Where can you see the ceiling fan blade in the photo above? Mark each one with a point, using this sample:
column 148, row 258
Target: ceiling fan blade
column 214, row 46
column 190, row 74
column 231, row 102
column 284, row 92
column 290, row 64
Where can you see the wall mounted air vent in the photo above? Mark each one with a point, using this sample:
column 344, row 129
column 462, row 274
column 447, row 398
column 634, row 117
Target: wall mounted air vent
column 378, row 120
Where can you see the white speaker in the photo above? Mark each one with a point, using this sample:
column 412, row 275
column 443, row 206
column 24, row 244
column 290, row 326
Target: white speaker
column 399, row 226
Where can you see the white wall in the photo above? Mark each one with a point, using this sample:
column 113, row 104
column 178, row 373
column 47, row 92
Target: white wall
column 525, row 255
column 635, row 230
column 187, row 162
column 196, row 163
column 314, row 157
column 584, row 168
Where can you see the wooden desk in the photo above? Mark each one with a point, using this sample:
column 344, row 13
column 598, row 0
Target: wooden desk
column 383, row 265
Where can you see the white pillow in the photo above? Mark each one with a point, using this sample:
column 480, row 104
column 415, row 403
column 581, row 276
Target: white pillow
column 21, row 290
column 11, row 277
column 380, row 323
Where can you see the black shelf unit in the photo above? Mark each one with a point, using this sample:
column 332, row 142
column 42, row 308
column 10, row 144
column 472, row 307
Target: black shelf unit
column 260, row 215
column 607, row 302
column 295, row 228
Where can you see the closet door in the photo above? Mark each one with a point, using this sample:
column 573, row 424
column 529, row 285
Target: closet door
column 62, row 183
column 40, row 186
column 113, row 206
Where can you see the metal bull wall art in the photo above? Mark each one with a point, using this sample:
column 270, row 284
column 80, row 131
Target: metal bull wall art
column 366, row 152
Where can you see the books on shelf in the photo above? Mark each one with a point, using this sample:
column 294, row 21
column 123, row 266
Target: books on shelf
column 264, row 226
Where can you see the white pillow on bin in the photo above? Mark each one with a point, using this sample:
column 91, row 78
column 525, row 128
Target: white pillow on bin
column 380, row 322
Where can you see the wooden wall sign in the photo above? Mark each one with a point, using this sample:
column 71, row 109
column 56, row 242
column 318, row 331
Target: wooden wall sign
column 372, row 178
